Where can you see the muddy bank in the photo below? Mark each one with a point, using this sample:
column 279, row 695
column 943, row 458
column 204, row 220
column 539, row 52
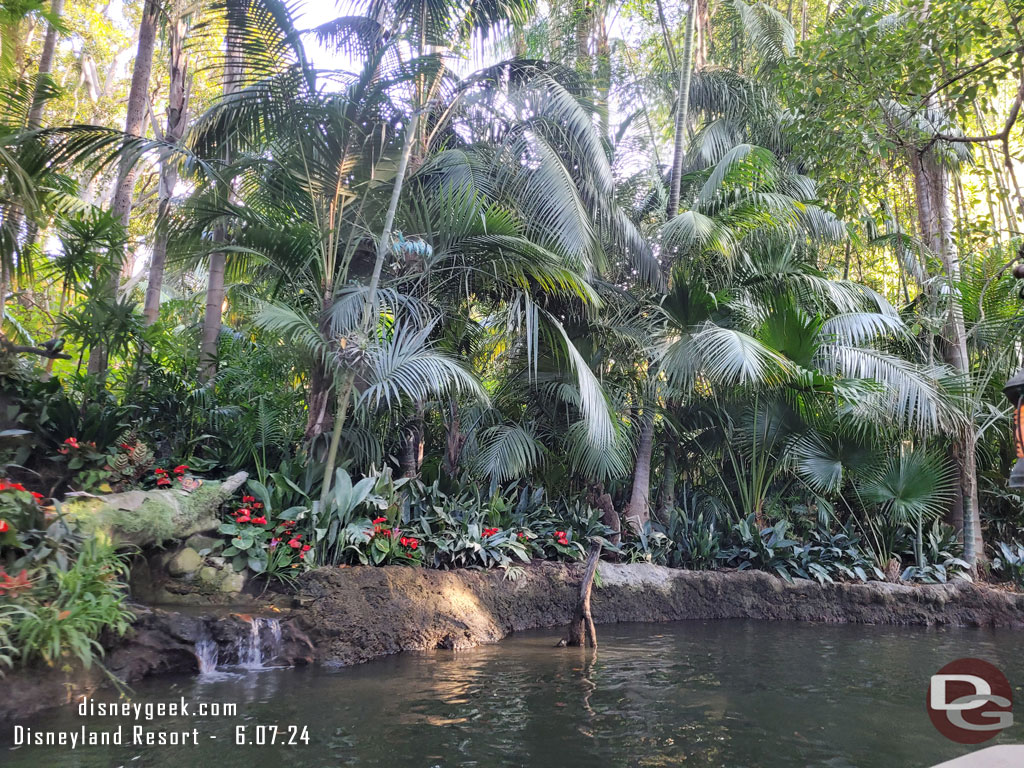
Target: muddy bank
column 343, row 616
column 357, row 614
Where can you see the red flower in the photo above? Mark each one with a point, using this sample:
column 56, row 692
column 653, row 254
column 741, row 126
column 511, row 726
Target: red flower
column 10, row 583
column 181, row 469
column 491, row 531
column 414, row 543
column 4, row 526
column 73, row 442
column 37, row 496
column 159, row 471
column 302, row 555
column 162, row 481
column 306, row 547
column 294, row 544
column 521, row 535
column 259, row 520
column 257, row 505
column 380, row 520
column 248, row 499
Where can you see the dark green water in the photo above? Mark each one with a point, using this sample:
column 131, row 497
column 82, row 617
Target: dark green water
column 733, row 694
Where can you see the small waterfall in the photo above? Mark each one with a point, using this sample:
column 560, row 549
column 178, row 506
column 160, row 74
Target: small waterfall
column 262, row 642
column 207, row 652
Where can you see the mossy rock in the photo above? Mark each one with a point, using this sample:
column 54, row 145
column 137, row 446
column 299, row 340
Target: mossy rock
column 150, row 518
column 187, row 561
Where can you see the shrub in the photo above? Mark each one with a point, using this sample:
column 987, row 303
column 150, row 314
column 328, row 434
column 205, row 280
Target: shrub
column 1009, row 563
column 60, row 613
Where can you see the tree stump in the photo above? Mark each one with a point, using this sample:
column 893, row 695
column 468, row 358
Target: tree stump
column 581, row 629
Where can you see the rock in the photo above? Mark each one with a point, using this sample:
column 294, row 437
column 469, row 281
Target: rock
column 186, row 562
column 149, row 518
column 232, row 582
column 209, row 578
column 199, row 543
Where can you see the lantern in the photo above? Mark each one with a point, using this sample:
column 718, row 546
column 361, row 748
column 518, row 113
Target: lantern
column 1014, row 391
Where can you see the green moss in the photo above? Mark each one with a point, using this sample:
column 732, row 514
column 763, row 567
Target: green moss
column 147, row 517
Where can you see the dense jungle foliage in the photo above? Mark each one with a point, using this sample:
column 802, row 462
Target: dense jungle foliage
column 465, row 283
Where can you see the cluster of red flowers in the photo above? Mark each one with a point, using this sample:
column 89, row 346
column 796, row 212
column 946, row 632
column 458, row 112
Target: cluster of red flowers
column 521, row 535
column 163, row 479
column 378, row 527
column 247, row 513
column 490, row 531
column 294, row 539
column 410, row 542
column 562, row 537
column 11, row 584
column 19, row 487
column 72, row 442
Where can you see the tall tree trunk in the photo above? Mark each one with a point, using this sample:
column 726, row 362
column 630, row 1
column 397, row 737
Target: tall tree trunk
column 177, row 107
column 454, row 439
column 603, row 71
column 214, row 313
column 35, row 114
column 702, row 35
column 135, row 119
column 935, row 218
column 411, row 458
column 682, row 113
column 638, row 510
column 213, row 317
column 370, row 307
column 137, row 112
column 582, row 13
column 667, row 500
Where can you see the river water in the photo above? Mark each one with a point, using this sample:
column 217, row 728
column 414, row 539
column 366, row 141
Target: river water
column 729, row 694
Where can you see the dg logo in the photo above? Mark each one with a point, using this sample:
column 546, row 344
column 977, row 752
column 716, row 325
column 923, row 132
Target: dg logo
column 970, row 701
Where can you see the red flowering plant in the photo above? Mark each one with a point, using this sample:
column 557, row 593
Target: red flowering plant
column 262, row 543
column 172, row 476
column 21, row 509
column 378, row 541
column 89, row 467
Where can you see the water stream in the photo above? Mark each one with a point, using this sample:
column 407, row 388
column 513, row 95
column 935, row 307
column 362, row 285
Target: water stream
column 725, row 694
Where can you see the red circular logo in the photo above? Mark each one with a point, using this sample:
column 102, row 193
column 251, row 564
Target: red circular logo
column 970, row 701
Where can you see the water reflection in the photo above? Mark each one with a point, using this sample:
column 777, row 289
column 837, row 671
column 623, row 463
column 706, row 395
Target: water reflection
column 728, row 694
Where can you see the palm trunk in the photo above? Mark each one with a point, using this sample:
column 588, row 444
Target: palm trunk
column 702, row 35
column 137, row 109
column 412, row 443
column 935, row 218
column 603, row 74
column 177, row 105
column 35, row 115
column 668, row 483
column 638, row 511
column 454, row 439
column 370, row 308
column 682, row 114
column 213, row 317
